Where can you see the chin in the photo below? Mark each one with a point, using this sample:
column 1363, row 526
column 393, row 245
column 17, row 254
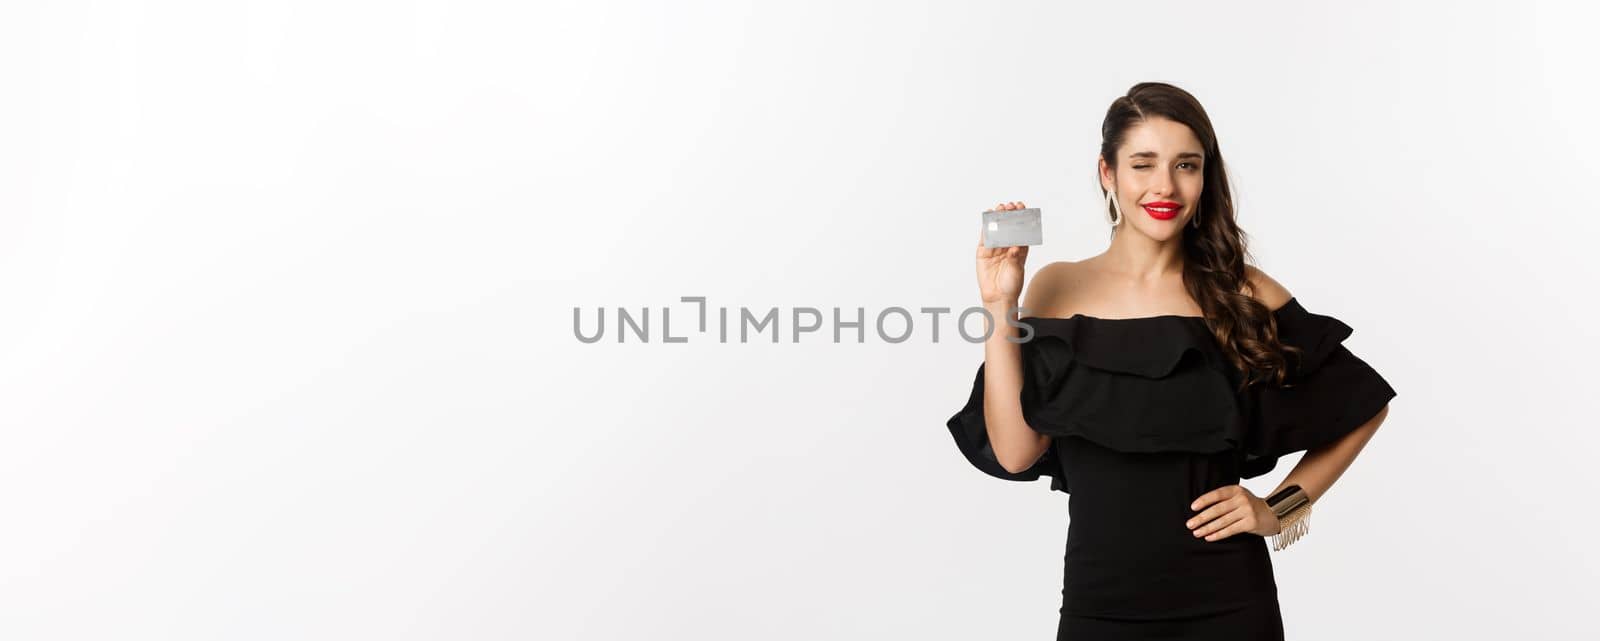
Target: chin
column 1161, row 230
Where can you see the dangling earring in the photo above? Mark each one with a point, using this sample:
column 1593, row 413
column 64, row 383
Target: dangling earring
column 1196, row 220
column 1113, row 205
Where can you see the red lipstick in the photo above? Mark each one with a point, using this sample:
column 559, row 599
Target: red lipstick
column 1161, row 209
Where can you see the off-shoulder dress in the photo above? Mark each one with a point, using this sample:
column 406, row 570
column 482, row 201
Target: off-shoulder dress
column 1145, row 417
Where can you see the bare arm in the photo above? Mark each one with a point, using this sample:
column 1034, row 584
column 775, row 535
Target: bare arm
column 1016, row 445
column 1319, row 468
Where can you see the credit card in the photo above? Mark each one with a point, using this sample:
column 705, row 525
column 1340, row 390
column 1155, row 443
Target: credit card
column 1012, row 228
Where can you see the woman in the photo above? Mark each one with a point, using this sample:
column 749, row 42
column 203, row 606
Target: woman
column 1150, row 379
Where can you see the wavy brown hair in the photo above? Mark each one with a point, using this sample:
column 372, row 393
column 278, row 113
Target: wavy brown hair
column 1215, row 254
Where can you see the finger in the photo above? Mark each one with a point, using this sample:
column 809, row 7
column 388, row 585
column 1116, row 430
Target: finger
column 1213, row 496
column 1206, row 499
column 1221, row 524
column 1210, row 514
column 1214, row 512
column 1232, row 529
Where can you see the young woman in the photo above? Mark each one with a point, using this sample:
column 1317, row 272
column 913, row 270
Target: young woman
column 1149, row 380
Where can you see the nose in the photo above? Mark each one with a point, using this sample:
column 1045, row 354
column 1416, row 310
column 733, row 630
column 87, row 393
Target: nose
column 1161, row 184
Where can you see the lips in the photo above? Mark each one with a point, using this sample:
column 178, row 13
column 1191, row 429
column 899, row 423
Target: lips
column 1162, row 209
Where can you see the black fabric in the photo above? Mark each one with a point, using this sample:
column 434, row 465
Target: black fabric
column 1161, row 383
column 1144, row 417
column 1257, row 621
column 1148, row 385
column 1328, row 393
column 971, row 431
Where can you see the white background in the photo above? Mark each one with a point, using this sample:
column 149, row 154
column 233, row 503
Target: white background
column 286, row 344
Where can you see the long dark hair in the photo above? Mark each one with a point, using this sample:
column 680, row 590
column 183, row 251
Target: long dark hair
column 1215, row 254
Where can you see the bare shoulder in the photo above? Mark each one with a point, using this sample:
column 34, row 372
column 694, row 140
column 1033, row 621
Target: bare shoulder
column 1048, row 287
column 1265, row 288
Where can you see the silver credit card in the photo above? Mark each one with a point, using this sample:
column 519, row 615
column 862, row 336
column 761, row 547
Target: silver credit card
column 1012, row 228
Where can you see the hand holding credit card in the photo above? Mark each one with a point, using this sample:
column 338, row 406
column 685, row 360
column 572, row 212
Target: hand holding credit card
column 1008, row 230
column 1012, row 228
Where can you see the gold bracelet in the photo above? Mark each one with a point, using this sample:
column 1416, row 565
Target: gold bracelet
column 1292, row 506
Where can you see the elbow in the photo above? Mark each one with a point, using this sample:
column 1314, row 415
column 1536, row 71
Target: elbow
column 1010, row 466
column 1018, row 462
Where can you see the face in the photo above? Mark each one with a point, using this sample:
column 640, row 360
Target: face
column 1159, row 175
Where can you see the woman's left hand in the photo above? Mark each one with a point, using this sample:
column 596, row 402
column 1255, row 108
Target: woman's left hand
column 1229, row 510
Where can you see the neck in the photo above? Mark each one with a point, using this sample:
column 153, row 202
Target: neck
column 1142, row 258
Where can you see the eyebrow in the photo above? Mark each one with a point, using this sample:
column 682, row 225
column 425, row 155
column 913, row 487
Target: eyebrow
column 1151, row 154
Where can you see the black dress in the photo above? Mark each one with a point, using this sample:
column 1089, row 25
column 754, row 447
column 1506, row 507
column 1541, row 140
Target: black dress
column 1145, row 417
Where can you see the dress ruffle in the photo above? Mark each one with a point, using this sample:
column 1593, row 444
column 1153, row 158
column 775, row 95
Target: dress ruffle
column 1135, row 385
column 1327, row 393
column 972, row 437
column 1161, row 383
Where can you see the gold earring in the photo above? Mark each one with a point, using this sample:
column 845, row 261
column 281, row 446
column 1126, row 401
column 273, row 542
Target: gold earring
column 1114, row 206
